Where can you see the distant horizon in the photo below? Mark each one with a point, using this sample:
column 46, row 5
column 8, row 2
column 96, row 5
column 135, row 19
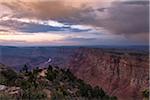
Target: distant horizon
column 74, row 45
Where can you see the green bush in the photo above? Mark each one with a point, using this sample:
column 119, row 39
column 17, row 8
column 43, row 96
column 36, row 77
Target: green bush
column 58, row 95
column 50, row 75
column 32, row 95
column 145, row 94
column 10, row 76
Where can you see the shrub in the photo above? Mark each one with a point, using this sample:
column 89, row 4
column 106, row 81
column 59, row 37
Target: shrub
column 50, row 75
column 145, row 94
column 32, row 95
column 10, row 76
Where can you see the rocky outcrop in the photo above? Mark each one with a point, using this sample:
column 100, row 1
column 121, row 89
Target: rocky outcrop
column 124, row 75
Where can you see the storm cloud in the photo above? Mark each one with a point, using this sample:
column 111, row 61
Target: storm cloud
column 126, row 18
column 130, row 18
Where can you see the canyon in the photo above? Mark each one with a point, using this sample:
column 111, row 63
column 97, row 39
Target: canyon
column 124, row 75
column 120, row 72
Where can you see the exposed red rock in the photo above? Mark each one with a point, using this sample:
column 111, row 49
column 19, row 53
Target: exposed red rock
column 120, row 74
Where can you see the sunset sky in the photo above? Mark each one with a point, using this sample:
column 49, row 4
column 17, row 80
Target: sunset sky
column 74, row 22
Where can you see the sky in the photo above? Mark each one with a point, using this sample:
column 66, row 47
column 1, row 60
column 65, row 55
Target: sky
column 74, row 22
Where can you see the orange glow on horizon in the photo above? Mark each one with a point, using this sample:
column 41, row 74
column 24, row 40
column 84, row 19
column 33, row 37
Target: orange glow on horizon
column 32, row 38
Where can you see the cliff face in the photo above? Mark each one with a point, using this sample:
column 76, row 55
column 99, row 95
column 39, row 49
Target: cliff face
column 121, row 74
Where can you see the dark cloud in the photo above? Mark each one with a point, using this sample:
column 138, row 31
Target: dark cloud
column 37, row 28
column 128, row 18
column 142, row 2
column 3, row 30
column 101, row 9
column 41, row 10
column 81, row 39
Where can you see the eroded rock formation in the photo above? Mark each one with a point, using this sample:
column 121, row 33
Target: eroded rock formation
column 124, row 75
